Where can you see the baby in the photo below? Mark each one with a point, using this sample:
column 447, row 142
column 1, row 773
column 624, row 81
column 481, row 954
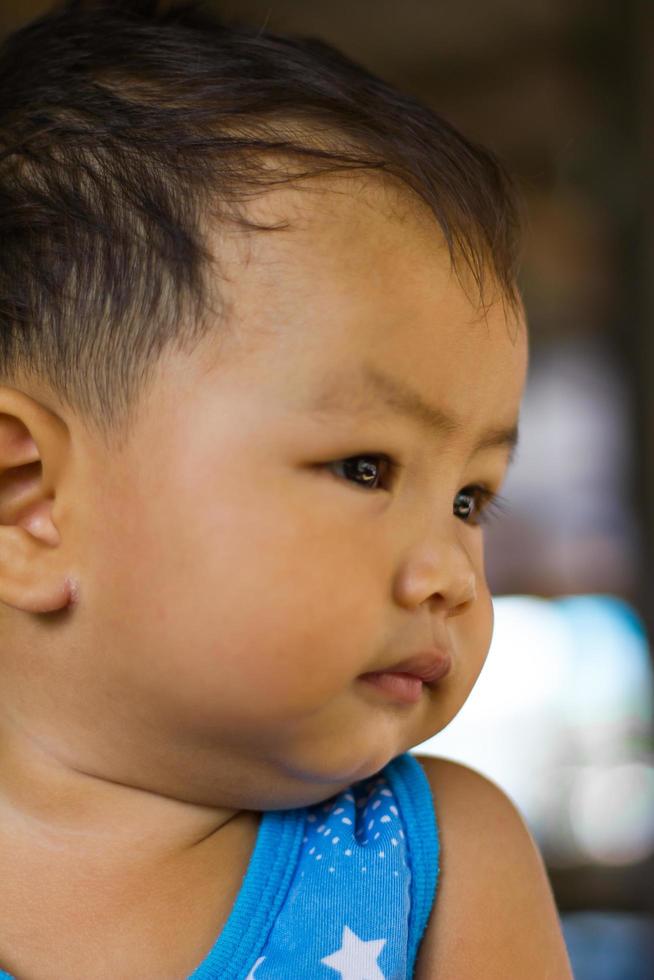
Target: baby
column 261, row 358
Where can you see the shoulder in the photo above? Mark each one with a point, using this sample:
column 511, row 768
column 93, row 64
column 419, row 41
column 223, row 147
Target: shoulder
column 494, row 914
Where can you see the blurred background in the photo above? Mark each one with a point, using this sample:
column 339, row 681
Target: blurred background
column 562, row 91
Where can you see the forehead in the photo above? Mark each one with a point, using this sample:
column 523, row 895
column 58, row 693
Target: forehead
column 352, row 229
column 359, row 279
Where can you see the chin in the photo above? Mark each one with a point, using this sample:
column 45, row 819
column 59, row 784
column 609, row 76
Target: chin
column 323, row 775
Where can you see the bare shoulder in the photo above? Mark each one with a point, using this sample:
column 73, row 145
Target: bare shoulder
column 494, row 916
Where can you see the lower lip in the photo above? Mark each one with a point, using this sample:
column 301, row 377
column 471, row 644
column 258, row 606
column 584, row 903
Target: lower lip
column 401, row 687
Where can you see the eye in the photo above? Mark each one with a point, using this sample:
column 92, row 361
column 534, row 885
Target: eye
column 475, row 504
column 367, row 470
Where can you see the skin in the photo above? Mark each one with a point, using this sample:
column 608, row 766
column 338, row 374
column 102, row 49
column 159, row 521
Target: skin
column 186, row 617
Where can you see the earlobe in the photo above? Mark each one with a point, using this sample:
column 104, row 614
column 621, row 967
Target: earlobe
column 34, row 445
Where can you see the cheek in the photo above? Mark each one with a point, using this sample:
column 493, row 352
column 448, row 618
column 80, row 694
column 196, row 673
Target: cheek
column 472, row 631
column 482, row 628
column 475, row 635
column 471, row 635
column 481, row 619
column 259, row 613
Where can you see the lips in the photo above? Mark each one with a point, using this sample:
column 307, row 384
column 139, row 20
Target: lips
column 404, row 680
column 430, row 666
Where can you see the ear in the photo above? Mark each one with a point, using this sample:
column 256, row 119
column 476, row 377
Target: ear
column 34, row 450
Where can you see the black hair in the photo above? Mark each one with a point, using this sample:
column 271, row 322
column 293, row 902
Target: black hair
column 122, row 126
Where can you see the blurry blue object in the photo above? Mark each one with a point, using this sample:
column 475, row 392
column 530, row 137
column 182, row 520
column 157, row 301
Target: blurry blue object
column 612, row 657
column 610, row 946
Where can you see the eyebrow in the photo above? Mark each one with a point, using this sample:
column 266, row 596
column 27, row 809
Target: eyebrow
column 407, row 402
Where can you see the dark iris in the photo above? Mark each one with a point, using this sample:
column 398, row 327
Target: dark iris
column 465, row 504
column 372, row 471
column 362, row 469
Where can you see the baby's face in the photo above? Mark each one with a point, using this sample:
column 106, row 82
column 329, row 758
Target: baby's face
column 238, row 576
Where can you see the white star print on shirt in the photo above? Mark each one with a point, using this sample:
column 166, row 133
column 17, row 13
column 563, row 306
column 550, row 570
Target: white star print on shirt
column 357, row 958
column 250, row 975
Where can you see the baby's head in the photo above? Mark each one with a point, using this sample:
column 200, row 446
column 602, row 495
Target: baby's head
column 261, row 358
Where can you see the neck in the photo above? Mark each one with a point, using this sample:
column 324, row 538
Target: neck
column 100, row 865
column 46, row 799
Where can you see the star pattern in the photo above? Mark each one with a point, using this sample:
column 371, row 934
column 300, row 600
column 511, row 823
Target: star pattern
column 251, row 975
column 353, row 850
column 366, row 818
column 357, row 958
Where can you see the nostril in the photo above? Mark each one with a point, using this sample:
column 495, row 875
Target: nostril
column 460, row 608
column 462, row 595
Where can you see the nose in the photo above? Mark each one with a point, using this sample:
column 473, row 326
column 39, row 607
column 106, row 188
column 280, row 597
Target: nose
column 439, row 572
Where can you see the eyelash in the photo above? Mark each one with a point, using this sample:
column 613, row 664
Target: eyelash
column 487, row 503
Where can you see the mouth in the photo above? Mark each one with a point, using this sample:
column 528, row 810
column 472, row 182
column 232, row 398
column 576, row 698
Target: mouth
column 405, row 681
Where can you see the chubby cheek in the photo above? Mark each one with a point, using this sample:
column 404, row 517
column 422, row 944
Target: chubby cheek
column 472, row 636
column 258, row 618
column 481, row 632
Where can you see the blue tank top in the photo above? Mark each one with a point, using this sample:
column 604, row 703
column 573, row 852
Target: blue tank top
column 340, row 890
